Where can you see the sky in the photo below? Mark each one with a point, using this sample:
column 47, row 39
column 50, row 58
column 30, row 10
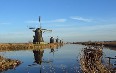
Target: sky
column 70, row 20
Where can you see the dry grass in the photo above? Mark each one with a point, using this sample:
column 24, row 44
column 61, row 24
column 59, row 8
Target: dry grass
column 26, row 46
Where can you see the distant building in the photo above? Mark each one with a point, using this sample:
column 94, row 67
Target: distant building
column 60, row 41
column 57, row 40
column 51, row 40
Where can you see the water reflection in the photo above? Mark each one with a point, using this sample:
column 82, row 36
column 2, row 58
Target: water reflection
column 57, row 59
column 38, row 54
column 38, row 59
column 111, row 48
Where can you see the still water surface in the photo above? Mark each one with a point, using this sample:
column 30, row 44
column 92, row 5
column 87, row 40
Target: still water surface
column 63, row 59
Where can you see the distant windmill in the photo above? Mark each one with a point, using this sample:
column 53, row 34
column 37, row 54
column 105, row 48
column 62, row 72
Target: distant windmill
column 38, row 39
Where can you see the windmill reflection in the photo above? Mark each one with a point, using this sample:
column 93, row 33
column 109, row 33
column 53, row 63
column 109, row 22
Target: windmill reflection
column 38, row 57
column 38, row 54
column 52, row 51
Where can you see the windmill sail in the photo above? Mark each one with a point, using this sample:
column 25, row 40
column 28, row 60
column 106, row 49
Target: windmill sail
column 39, row 21
column 39, row 18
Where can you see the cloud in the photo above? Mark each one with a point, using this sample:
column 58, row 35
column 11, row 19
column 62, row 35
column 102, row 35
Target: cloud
column 94, row 32
column 58, row 20
column 4, row 23
column 99, row 27
column 81, row 19
column 50, row 21
column 16, row 38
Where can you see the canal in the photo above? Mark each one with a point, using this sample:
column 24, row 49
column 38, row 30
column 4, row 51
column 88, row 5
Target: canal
column 63, row 59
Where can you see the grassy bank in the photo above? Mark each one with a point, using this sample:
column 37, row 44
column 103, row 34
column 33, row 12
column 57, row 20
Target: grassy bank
column 105, row 43
column 6, row 63
column 26, row 46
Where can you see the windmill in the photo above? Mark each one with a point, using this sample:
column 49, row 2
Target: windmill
column 38, row 39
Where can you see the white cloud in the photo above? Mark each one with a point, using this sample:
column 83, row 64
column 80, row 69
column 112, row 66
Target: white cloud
column 105, row 27
column 94, row 32
column 16, row 37
column 4, row 23
column 58, row 20
column 50, row 21
column 82, row 19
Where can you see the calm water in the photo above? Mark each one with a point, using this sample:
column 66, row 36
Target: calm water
column 64, row 59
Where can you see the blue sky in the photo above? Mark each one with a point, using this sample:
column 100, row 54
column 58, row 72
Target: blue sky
column 70, row 20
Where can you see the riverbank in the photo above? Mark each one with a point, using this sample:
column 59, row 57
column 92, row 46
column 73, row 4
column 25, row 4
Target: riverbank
column 26, row 46
column 104, row 43
column 6, row 63
column 91, row 61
